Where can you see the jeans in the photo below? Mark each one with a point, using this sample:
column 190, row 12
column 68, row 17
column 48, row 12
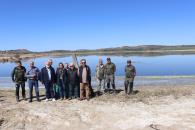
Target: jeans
column 49, row 90
column 18, row 90
column 34, row 83
column 62, row 88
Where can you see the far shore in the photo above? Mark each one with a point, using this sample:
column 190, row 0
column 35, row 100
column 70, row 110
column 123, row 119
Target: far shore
column 144, row 50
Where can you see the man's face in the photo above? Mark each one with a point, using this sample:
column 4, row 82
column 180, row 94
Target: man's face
column 83, row 63
column 31, row 65
column 129, row 64
column 50, row 62
column 100, row 62
column 108, row 61
column 18, row 64
column 66, row 65
column 61, row 66
column 47, row 64
column 72, row 67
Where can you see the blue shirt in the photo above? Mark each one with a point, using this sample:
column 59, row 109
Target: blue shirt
column 32, row 73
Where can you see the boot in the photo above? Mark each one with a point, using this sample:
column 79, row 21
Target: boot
column 24, row 97
column 114, row 90
column 38, row 100
column 17, row 99
column 131, row 90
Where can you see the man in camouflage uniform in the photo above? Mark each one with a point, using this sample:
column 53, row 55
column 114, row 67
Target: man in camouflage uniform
column 18, row 77
column 130, row 73
column 110, row 70
column 100, row 68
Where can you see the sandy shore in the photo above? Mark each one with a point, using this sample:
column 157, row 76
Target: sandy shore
column 151, row 108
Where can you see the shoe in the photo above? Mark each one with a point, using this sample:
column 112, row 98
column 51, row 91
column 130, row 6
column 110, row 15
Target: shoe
column 80, row 99
column 46, row 100
column 88, row 99
column 17, row 99
column 24, row 98
column 53, row 99
column 30, row 101
column 38, row 100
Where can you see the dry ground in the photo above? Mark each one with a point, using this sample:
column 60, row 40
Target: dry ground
column 153, row 108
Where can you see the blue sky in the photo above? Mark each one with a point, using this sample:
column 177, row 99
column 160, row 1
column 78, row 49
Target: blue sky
column 41, row 25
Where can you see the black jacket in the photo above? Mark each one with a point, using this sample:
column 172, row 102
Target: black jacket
column 18, row 74
column 64, row 75
column 73, row 77
column 45, row 76
column 88, row 74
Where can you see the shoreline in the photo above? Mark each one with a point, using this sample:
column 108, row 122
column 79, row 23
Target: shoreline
column 147, row 81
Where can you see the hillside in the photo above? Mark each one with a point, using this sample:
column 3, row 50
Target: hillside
column 144, row 50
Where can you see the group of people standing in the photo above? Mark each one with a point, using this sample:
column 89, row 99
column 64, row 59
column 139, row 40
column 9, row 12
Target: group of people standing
column 68, row 81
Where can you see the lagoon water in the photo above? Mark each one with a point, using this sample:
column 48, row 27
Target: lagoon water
column 146, row 66
column 170, row 70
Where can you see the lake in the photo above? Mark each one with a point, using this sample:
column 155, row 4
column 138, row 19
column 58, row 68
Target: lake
column 146, row 66
column 170, row 70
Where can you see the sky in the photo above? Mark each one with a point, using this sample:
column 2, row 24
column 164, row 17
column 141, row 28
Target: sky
column 42, row 25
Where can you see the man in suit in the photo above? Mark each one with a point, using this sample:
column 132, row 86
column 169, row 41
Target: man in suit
column 48, row 79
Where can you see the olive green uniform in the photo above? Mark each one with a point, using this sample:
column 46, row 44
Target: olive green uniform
column 130, row 72
column 18, row 76
column 100, row 75
column 110, row 70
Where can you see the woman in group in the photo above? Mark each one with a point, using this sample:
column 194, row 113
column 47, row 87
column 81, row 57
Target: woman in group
column 61, row 76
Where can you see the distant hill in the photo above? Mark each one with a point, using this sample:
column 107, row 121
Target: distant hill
column 146, row 48
column 17, row 51
column 130, row 48
column 142, row 48
column 124, row 50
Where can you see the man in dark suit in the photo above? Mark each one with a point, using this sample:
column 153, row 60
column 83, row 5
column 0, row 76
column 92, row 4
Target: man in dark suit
column 48, row 79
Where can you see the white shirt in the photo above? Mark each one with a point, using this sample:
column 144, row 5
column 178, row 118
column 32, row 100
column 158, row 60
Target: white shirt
column 49, row 73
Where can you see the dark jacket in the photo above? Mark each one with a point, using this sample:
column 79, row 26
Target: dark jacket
column 45, row 76
column 61, row 73
column 88, row 74
column 18, row 74
column 73, row 77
